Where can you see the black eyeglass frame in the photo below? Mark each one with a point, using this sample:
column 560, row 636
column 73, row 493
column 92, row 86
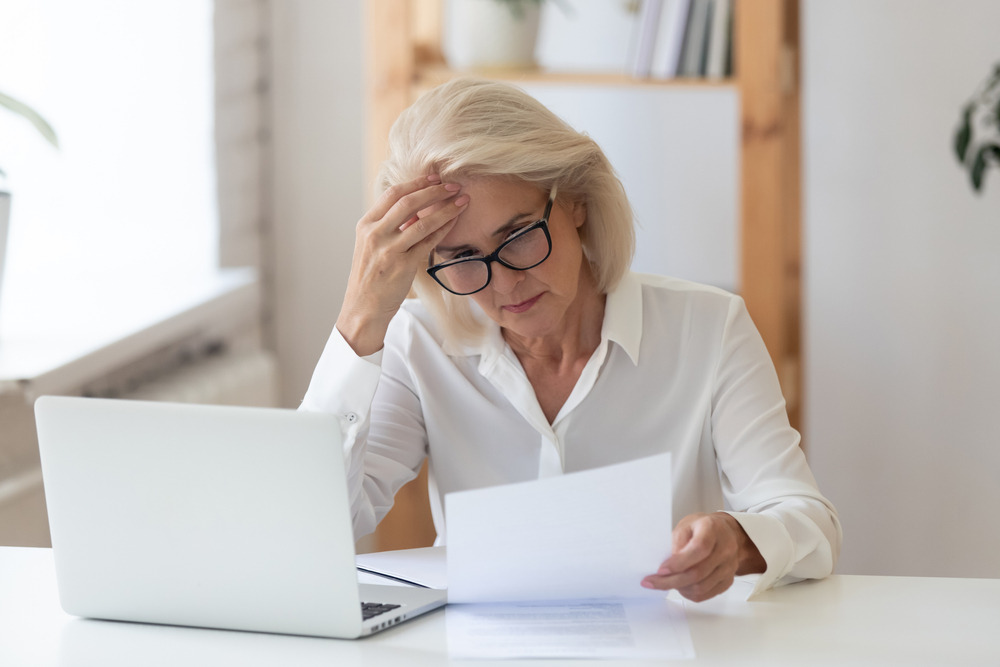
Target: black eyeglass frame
column 542, row 223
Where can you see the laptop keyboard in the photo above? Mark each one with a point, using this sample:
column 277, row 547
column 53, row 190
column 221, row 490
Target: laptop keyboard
column 373, row 609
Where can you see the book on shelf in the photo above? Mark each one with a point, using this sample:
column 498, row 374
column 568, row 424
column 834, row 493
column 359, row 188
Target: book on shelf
column 683, row 38
column 717, row 62
column 669, row 39
column 649, row 20
column 696, row 39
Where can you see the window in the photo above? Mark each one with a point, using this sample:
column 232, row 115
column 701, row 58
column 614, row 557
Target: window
column 128, row 87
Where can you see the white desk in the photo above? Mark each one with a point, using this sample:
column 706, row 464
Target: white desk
column 843, row 620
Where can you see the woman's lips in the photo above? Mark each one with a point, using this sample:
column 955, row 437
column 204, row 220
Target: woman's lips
column 523, row 306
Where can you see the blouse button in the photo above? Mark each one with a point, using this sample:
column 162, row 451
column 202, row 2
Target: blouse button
column 351, row 417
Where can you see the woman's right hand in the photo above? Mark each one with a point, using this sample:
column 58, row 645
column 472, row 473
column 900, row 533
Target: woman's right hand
column 393, row 241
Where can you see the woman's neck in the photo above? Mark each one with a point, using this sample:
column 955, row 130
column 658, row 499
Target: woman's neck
column 576, row 337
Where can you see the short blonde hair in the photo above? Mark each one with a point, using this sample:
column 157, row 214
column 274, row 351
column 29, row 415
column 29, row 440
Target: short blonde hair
column 472, row 127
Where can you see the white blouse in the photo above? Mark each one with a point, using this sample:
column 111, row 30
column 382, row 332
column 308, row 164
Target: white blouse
column 680, row 368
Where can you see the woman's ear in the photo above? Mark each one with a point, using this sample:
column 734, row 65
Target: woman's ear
column 578, row 211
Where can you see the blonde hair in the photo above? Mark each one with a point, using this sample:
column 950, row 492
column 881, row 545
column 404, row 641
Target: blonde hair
column 473, row 127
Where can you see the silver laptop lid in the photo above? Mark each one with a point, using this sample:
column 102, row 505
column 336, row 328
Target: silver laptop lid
column 208, row 516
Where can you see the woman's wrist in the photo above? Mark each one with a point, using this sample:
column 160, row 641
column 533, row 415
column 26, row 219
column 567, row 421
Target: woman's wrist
column 750, row 559
column 361, row 334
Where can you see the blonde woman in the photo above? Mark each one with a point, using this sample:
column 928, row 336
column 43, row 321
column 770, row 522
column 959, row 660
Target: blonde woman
column 532, row 350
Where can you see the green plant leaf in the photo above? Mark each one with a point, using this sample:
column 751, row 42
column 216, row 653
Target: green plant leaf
column 23, row 110
column 993, row 150
column 981, row 161
column 963, row 137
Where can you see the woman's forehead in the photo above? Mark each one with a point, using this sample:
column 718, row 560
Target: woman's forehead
column 493, row 205
column 498, row 187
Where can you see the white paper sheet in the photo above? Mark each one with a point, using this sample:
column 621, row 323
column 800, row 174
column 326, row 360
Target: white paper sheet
column 583, row 535
column 625, row 629
column 416, row 567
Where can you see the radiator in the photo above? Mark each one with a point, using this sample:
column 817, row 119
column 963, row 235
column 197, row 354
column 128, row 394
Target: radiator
column 247, row 378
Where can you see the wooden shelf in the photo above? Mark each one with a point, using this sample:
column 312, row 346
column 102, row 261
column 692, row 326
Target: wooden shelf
column 429, row 76
column 404, row 59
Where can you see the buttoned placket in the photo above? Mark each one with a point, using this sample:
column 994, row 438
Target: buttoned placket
column 505, row 372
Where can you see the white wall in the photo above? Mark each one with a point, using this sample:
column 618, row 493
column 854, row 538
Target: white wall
column 318, row 179
column 902, row 296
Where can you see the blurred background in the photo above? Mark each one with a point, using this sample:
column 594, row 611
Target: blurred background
column 191, row 237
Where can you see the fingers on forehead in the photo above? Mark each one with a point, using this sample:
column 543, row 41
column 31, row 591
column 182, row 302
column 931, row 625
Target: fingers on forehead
column 395, row 192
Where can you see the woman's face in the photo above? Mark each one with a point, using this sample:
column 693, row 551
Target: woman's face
column 534, row 303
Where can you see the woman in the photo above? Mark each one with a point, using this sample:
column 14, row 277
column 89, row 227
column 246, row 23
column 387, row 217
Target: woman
column 533, row 351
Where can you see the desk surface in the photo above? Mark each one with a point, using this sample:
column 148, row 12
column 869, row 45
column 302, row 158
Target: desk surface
column 852, row 620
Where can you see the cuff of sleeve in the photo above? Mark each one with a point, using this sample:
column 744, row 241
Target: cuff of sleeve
column 343, row 383
column 775, row 545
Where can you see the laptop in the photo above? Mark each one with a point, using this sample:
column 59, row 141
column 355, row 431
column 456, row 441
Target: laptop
column 207, row 516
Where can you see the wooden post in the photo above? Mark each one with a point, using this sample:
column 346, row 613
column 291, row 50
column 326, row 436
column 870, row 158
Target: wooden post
column 766, row 61
column 391, row 70
column 391, row 73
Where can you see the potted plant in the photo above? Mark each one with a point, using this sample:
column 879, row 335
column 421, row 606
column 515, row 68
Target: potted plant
column 492, row 34
column 977, row 140
column 26, row 112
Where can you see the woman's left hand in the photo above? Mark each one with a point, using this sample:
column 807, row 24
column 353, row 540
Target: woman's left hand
column 709, row 551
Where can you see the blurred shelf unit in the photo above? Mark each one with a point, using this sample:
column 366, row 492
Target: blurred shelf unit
column 404, row 57
column 431, row 74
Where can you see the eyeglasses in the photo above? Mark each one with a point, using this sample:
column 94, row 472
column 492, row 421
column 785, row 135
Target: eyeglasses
column 524, row 249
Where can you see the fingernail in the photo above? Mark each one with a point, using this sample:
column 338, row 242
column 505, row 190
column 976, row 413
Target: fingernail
column 646, row 584
column 434, row 178
column 462, row 201
column 452, row 187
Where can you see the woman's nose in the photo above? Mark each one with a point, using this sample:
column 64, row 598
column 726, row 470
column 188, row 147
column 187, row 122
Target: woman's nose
column 504, row 280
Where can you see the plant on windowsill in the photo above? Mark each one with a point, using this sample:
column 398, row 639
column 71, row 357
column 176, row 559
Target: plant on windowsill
column 32, row 116
column 977, row 139
column 23, row 110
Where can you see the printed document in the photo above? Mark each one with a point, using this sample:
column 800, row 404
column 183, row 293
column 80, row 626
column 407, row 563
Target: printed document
column 638, row 629
column 551, row 568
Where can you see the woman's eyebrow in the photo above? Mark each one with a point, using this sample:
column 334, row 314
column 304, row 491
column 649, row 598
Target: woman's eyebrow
column 450, row 250
column 505, row 229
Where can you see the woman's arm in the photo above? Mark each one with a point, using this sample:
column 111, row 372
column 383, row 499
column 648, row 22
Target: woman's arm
column 765, row 478
column 780, row 525
column 393, row 242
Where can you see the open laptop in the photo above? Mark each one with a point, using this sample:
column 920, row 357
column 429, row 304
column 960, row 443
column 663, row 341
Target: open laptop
column 207, row 516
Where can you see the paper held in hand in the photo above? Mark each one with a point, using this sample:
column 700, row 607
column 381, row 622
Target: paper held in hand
column 589, row 534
